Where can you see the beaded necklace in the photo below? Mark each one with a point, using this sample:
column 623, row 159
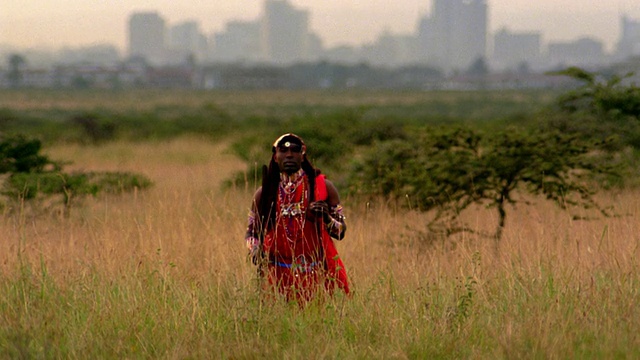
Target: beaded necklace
column 292, row 211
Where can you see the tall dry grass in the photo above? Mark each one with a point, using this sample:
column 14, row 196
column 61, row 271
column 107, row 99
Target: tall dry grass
column 163, row 274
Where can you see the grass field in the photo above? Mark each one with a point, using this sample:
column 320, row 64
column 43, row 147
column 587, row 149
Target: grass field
column 163, row 274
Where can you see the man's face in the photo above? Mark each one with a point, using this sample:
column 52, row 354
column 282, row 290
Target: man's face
column 289, row 157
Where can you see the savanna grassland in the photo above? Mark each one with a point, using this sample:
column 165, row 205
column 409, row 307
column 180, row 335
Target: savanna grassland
column 163, row 273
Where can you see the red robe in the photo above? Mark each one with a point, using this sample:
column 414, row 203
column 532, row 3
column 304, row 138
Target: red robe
column 302, row 255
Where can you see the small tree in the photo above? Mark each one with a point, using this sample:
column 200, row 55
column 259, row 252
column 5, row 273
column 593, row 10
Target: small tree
column 19, row 154
column 601, row 108
column 478, row 68
column 33, row 175
column 449, row 169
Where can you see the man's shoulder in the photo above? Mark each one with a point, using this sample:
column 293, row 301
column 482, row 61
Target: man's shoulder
column 258, row 193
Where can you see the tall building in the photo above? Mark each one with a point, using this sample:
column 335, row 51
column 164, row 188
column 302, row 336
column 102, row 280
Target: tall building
column 513, row 50
column 187, row 41
column 629, row 43
column 285, row 33
column 425, row 40
column 584, row 52
column 390, row 50
column 147, row 36
column 315, row 47
column 239, row 42
column 455, row 36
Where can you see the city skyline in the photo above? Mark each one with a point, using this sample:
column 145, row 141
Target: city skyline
column 47, row 24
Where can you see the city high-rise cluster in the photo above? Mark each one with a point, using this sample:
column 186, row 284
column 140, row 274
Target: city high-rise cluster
column 455, row 35
column 280, row 36
column 452, row 38
column 278, row 49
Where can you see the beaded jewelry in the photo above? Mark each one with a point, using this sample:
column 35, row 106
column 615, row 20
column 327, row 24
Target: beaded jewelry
column 292, row 203
column 335, row 226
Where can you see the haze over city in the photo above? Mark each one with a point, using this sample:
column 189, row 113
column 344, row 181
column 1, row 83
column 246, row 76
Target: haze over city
column 72, row 23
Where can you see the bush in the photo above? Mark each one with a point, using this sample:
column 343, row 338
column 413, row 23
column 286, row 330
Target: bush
column 604, row 109
column 95, row 128
column 19, row 154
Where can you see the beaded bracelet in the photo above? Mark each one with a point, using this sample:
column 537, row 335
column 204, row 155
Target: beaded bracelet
column 252, row 242
column 334, row 224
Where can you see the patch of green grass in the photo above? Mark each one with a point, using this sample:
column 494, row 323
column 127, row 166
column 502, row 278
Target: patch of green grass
column 153, row 313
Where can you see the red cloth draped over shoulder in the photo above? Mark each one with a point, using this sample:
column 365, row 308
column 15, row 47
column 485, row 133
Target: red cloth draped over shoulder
column 336, row 272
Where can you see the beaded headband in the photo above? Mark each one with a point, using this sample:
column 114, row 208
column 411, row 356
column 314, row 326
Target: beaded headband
column 295, row 139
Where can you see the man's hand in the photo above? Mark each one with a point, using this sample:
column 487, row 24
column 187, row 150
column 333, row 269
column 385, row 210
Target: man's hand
column 320, row 208
column 254, row 255
column 253, row 245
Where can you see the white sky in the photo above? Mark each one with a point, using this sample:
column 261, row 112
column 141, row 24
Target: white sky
column 58, row 23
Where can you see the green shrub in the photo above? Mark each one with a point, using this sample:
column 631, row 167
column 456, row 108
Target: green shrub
column 95, row 128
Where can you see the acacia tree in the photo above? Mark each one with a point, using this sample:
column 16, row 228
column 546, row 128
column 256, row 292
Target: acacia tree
column 604, row 97
column 448, row 169
column 601, row 107
column 32, row 175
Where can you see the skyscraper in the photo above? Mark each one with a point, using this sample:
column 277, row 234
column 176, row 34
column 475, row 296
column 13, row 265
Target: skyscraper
column 240, row 41
column 456, row 34
column 187, row 39
column 147, row 36
column 285, row 32
column 583, row 52
column 629, row 43
column 512, row 50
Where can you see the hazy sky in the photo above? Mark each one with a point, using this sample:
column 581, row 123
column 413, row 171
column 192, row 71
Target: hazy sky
column 57, row 23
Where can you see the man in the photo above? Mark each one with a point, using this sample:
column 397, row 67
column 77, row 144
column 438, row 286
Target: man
column 294, row 215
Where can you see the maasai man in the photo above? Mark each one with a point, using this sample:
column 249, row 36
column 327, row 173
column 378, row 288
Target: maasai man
column 294, row 215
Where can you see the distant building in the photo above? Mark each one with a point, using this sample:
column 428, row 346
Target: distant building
column 425, row 39
column 315, row 47
column 390, row 50
column 513, row 51
column 187, row 41
column 455, row 36
column 234, row 77
column 94, row 54
column 147, row 37
column 584, row 52
column 171, row 77
column 239, row 42
column 629, row 43
column 342, row 54
column 37, row 78
column 285, row 33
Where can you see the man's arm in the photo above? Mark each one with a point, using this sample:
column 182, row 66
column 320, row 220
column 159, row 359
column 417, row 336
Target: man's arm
column 334, row 219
